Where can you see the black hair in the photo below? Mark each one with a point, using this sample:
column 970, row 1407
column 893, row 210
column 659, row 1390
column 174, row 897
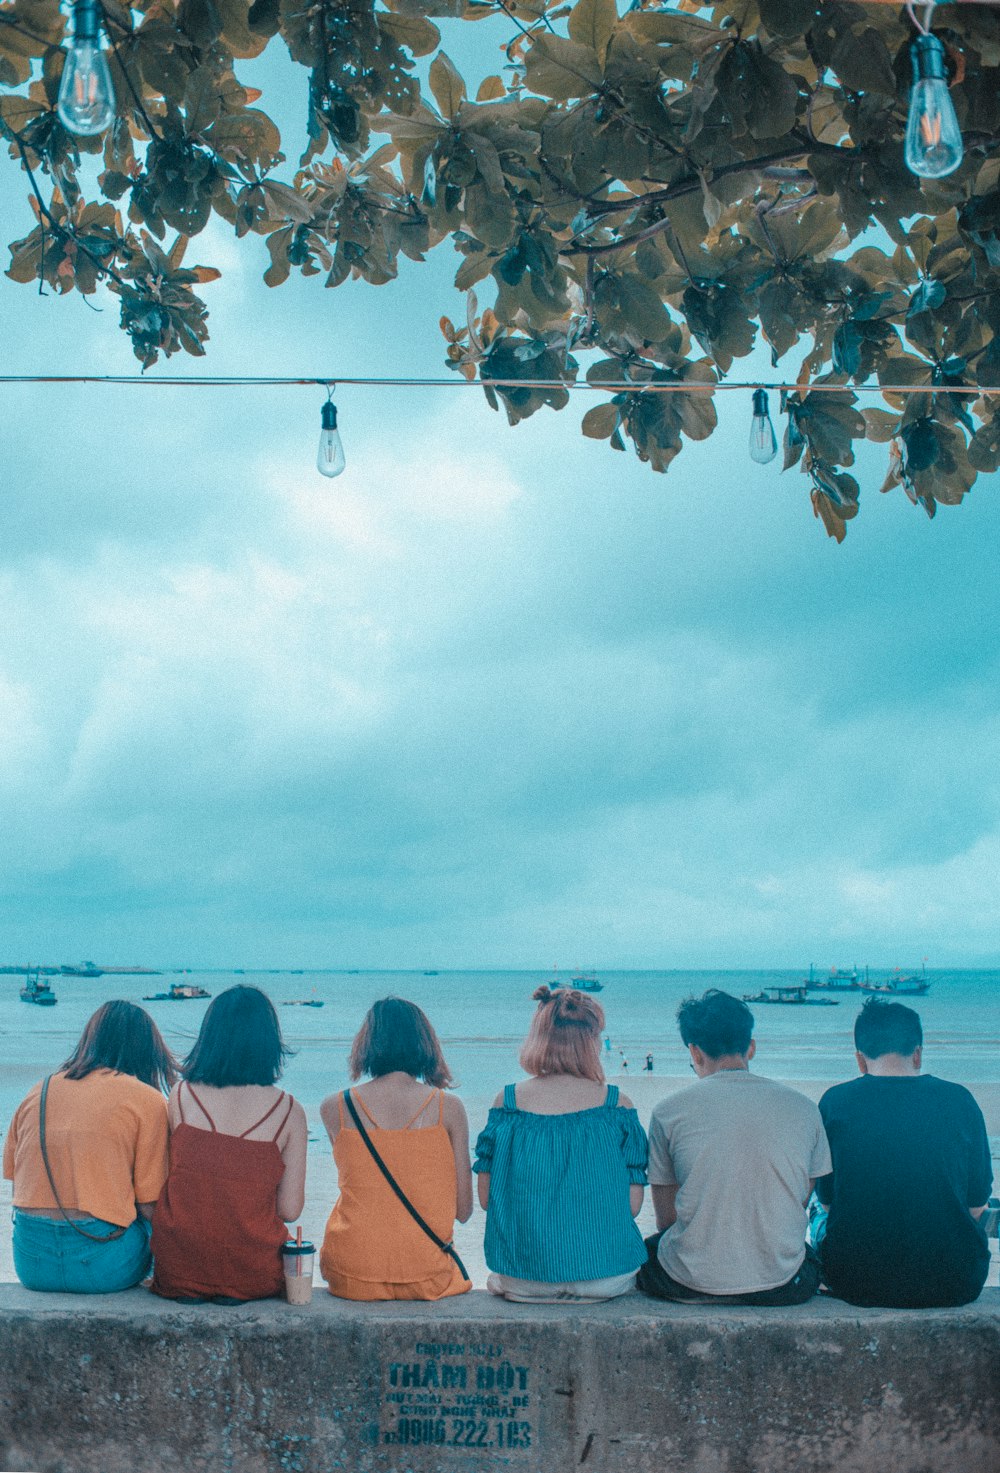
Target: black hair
column 887, row 1028
column 122, row 1036
column 716, row 1023
column 239, row 1041
column 397, row 1035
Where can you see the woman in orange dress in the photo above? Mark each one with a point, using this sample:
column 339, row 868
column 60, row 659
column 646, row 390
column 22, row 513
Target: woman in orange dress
column 374, row 1248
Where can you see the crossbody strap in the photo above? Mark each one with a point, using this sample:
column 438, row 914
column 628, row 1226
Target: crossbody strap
column 447, row 1248
column 119, row 1232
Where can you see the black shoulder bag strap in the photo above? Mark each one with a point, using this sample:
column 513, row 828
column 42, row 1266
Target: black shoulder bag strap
column 447, row 1248
column 119, row 1232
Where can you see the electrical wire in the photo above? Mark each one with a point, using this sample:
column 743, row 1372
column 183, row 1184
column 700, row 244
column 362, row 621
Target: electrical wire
column 250, row 381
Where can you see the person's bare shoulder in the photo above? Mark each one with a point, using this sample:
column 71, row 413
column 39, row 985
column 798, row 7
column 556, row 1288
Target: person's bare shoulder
column 624, row 1103
column 453, row 1111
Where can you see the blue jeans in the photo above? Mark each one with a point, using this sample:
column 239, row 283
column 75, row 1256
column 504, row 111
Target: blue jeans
column 49, row 1255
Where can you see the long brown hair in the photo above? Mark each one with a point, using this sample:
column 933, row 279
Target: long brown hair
column 397, row 1035
column 122, row 1036
column 565, row 1035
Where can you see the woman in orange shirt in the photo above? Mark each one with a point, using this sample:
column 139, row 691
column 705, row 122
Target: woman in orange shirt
column 374, row 1248
column 87, row 1153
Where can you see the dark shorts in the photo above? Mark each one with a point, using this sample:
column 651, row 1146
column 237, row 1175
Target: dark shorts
column 654, row 1280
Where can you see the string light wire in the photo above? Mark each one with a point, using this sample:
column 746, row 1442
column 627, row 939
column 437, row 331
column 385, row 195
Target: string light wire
column 245, row 381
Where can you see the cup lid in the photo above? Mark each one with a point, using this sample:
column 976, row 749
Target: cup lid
column 293, row 1249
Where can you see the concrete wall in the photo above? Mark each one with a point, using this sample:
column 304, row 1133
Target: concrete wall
column 128, row 1382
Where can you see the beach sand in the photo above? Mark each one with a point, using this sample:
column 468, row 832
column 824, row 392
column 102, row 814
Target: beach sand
column 644, row 1090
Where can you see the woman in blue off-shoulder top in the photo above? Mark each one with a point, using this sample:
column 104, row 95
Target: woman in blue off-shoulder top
column 562, row 1166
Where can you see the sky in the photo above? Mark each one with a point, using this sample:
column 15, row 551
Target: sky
column 495, row 697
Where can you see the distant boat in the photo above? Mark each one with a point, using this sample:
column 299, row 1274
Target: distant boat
column 837, row 980
column 791, row 997
column 303, row 1002
column 432, row 974
column 179, row 992
column 82, row 969
column 132, row 972
column 582, row 982
column 37, row 991
column 902, row 984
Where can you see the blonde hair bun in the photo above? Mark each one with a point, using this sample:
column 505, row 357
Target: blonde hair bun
column 543, row 994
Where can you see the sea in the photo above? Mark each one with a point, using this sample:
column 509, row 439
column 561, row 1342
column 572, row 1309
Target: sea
column 481, row 1018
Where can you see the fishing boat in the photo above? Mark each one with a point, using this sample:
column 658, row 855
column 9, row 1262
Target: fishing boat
column 582, row 982
column 901, row 984
column 179, row 992
column 837, row 980
column 37, row 991
column 82, row 969
column 797, row 997
column 302, row 1002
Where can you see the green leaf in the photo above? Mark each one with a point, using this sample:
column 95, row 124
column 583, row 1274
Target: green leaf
column 562, row 69
column 862, row 62
column 447, row 85
column 415, row 32
column 881, row 425
column 599, row 422
column 642, row 308
column 592, row 23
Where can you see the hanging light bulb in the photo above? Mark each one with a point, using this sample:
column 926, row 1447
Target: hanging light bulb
column 331, row 460
column 86, row 95
column 933, row 137
column 763, row 443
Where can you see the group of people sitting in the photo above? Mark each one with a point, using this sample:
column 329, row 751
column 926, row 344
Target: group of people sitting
column 125, row 1163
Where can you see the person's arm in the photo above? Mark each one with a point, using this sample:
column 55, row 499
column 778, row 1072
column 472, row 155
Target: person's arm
column 663, row 1184
column 174, row 1107
column 456, row 1123
column 821, row 1165
column 980, row 1163
column 292, row 1144
column 10, row 1148
column 484, row 1155
column 151, row 1161
column 664, row 1205
column 329, row 1113
column 636, row 1157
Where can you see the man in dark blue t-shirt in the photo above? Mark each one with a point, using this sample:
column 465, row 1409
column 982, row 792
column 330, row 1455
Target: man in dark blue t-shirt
column 911, row 1175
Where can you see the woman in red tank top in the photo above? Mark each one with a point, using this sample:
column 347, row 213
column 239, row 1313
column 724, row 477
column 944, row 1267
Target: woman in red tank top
column 237, row 1160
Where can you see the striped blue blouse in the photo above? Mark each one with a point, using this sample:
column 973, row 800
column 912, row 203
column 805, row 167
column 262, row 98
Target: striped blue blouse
column 559, row 1199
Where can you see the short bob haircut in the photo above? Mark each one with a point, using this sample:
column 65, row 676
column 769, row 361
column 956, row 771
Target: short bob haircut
column 717, row 1023
column 239, row 1042
column 396, row 1036
column 123, row 1037
column 887, row 1028
column 565, row 1036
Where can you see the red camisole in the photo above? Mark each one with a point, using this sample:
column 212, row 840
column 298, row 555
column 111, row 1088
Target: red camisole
column 216, row 1227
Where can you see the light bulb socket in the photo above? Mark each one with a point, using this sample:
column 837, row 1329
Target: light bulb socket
column 928, row 60
column 329, row 413
column 760, row 406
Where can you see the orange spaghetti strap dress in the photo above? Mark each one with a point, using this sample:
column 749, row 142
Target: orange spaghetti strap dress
column 216, row 1228
column 372, row 1248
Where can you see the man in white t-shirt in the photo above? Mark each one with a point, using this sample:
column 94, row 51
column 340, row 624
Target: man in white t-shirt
column 732, row 1161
